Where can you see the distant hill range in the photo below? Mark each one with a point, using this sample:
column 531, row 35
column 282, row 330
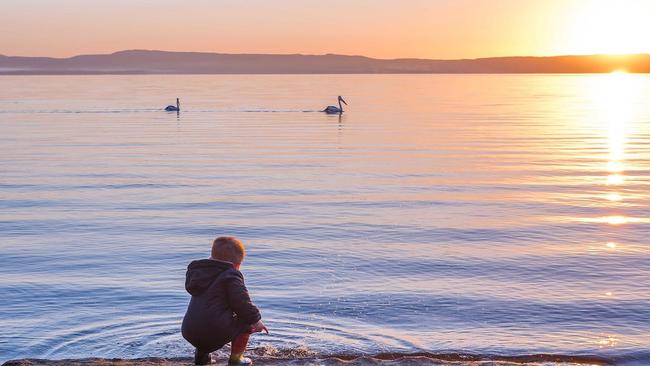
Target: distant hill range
column 162, row 62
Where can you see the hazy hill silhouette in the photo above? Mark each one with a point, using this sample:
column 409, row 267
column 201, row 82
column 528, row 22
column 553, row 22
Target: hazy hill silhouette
column 162, row 62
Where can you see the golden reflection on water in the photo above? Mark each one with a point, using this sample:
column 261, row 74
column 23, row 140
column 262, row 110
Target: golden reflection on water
column 617, row 100
column 615, row 179
column 614, row 247
column 614, row 220
column 614, row 196
column 614, row 166
column 613, row 106
column 614, row 100
column 611, row 245
column 609, row 341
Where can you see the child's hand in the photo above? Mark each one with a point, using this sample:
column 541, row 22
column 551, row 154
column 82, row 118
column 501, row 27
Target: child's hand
column 259, row 327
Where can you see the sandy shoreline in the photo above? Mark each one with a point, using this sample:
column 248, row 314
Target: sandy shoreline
column 381, row 359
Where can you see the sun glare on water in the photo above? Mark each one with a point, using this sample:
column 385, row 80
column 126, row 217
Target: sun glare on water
column 614, row 102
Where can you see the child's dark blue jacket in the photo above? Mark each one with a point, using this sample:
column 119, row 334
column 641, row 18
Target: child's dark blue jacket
column 220, row 308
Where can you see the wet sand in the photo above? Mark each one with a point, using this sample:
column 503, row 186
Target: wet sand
column 416, row 359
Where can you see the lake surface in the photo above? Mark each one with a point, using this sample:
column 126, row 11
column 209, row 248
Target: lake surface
column 481, row 214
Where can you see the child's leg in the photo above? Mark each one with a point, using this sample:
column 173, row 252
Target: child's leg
column 237, row 348
column 201, row 357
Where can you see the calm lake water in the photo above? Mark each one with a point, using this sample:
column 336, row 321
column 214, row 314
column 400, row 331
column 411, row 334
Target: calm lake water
column 500, row 214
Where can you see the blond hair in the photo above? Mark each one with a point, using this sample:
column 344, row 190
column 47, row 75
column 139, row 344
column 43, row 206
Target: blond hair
column 229, row 249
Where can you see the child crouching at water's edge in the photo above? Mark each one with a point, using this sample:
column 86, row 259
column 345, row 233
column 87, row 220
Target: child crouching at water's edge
column 220, row 310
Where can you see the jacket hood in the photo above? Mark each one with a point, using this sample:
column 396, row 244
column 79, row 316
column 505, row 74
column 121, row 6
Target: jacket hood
column 202, row 273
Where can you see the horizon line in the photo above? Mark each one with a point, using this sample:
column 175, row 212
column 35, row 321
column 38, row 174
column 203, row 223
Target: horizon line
column 622, row 55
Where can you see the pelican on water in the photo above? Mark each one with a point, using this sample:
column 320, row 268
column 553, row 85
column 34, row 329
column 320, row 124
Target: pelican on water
column 171, row 108
column 334, row 109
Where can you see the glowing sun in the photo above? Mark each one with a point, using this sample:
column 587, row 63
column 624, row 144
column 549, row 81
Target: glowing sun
column 609, row 27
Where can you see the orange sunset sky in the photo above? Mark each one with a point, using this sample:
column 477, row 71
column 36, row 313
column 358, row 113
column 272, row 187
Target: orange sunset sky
column 376, row 28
